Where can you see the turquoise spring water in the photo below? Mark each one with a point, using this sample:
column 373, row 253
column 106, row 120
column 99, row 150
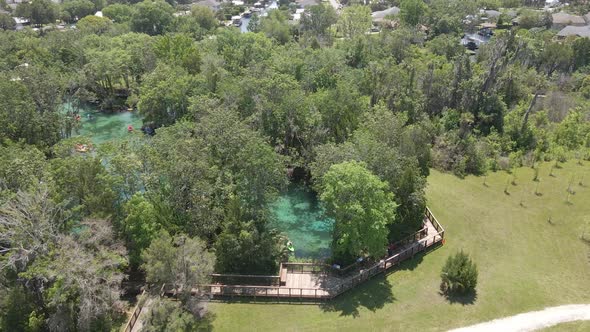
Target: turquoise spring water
column 299, row 214
column 297, row 211
column 102, row 127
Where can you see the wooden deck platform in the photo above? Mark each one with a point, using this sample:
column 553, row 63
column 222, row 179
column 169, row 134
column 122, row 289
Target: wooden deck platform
column 322, row 282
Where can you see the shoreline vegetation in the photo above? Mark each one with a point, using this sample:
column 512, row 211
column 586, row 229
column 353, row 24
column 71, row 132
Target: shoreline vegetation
column 379, row 115
column 529, row 257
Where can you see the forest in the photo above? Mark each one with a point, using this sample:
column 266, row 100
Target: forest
column 360, row 118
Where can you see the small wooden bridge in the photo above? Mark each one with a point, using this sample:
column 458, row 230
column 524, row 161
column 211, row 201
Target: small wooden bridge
column 315, row 281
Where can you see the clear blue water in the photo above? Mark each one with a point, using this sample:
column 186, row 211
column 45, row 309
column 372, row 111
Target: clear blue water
column 297, row 211
column 102, row 126
column 299, row 215
column 263, row 13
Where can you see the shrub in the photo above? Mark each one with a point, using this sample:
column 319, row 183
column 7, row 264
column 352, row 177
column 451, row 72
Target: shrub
column 459, row 275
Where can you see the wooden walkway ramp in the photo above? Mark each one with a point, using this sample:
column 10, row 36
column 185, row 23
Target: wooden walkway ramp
column 323, row 282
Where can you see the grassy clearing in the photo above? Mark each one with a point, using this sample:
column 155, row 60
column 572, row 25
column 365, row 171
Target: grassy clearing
column 581, row 326
column 527, row 247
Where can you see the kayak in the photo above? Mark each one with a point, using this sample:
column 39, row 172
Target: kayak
column 81, row 147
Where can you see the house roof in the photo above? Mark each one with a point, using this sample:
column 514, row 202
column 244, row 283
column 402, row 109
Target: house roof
column 491, row 13
column 565, row 18
column 511, row 13
column 380, row 15
column 20, row 20
column 208, row 3
column 488, row 25
column 571, row 30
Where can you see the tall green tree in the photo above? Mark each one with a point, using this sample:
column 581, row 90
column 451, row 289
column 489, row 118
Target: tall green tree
column 94, row 24
column 38, row 11
column 362, row 208
column 168, row 315
column 82, row 181
column 354, row 21
column 21, row 168
column 119, row 13
column 276, row 26
column 28, row 110
column 205, row 17
column 151, row 17
column 166, row 94
column 179, row 49
column 140, row 226
column 246, row 246
column 412, row 11
column 254, row 23
column 318, row 19
column 180, row 261
column 459, row 274
column 581, row 50
column 77, row 9
column 6, row 22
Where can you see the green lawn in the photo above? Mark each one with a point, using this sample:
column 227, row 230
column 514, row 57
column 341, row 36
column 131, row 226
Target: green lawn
column 526, row 262
column 579, row 326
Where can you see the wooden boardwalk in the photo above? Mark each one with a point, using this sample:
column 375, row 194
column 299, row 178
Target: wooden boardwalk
column 311, row 281
column 323, row 282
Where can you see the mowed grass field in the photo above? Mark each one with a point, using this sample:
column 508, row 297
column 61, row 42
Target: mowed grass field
column 579, row 326
column 527, row 247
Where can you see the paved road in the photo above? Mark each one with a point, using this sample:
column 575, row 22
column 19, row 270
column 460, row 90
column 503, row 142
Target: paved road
column 533, row 320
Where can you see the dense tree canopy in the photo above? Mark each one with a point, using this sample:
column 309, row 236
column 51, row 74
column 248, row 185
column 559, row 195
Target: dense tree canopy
column 318, row 19
column 358, row 115
column 354, row 21
column 6, row 22
column 411, row 11
column 362, row 207
column 38, row 11
column 151, row 17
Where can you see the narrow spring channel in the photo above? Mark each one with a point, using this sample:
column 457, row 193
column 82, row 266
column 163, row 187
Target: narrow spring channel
column 299, row 214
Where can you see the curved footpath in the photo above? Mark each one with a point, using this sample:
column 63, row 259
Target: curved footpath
column 533, row 320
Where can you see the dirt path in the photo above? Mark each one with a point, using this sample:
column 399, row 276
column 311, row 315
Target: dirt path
column 533, row 320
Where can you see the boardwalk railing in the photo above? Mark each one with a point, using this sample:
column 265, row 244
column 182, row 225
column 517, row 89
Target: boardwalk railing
column 416, row 236
column 264, row 291
column 135, row 314
column 237, row 279
column 428, row 215
column 306, row 267
column 406, row 248
column 385, row 264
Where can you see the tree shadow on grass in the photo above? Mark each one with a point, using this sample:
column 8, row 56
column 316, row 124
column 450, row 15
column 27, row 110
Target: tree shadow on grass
column 409, row 264
column 206, row 322
column 412, row 263
column 372, row 294
column 464, row 299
